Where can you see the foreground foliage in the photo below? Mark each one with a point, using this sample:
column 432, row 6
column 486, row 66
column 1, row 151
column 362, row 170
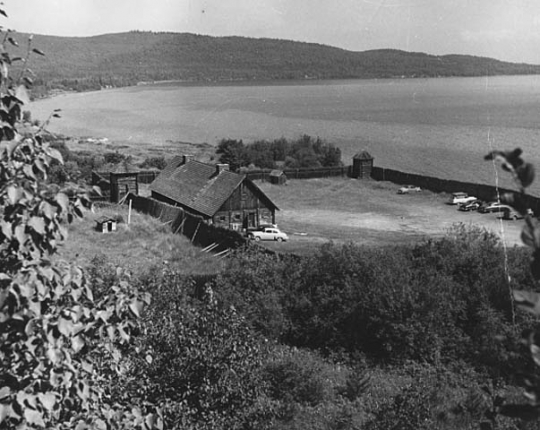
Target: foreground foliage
column 60, row 340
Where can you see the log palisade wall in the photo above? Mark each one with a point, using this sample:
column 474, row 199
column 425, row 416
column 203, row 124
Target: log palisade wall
column 481, row 191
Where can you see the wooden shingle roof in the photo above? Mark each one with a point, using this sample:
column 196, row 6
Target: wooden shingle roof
column 363, row 155
column 196, row 185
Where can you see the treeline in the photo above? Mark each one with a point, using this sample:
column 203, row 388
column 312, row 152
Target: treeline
column 128, row 58
column 406, row 337
column 305, row 151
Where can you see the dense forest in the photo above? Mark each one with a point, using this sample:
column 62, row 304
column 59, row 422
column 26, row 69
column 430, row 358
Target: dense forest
column 83, row 63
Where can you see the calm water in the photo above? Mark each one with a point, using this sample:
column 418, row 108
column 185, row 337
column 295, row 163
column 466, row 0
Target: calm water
column 441, row 127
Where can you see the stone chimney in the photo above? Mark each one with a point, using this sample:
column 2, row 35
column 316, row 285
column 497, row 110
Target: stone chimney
column 221, row 167
column 187, row 158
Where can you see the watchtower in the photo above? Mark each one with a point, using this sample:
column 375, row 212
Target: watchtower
column 362, row 165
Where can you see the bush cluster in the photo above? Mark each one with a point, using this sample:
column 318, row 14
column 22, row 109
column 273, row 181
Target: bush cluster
column 438, row 302
column 303, row 152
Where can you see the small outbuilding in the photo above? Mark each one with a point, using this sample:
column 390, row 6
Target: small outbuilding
column 278, row 177
column 124, row 179
column 362, row 165
column 106, row 224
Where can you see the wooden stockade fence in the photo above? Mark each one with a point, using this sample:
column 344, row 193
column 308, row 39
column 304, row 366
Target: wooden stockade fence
column 192, row 226
column 481, row 191
column 303, row 173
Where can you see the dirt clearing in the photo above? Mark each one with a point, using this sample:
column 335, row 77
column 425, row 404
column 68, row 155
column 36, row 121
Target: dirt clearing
column 369, row 212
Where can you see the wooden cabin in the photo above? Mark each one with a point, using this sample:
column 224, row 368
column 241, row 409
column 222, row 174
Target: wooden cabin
column 223, row 198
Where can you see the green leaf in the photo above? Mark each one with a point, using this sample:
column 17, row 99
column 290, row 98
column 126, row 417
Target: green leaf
column 30, row 328
column 63, row 201
column 47, row 400
column 21, row 235
column 14, row 194
column 48, row 210
column 34, row 417
column 136, row 307
column 150, row 421
column 525, row 174
column 65, row 327
column 77, row 343
column 38, row 224
column 4, row 392
column 530, row 234
column 528, row 300
column 22, row 94
column 12, row 146
column 5, row 411
column 55, row 153
column 123, row 334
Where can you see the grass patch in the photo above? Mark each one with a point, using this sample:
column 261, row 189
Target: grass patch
column 144, row 243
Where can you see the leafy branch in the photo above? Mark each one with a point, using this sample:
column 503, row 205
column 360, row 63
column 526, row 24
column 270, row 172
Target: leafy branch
column 523, row 174
column 61, row 344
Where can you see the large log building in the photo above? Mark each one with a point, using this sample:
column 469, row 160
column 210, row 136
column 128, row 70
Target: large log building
column 221, row 197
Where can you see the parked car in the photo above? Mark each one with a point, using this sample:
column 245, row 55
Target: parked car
column 268, row 234
column 460, row 197
column 511, row 214
column 493, row 207
column 470, row 206
column 262, row 227
column 409, row 189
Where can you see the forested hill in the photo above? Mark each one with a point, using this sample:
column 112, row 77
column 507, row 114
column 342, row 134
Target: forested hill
column 128, row 58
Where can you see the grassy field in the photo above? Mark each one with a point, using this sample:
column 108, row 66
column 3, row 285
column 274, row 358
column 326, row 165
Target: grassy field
column 145, row 242
column 368, row 212
column 312, row 212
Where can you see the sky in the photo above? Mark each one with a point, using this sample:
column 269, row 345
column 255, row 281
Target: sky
column 508, row 30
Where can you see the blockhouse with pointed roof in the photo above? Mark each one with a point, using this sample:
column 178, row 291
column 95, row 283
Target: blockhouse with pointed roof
column 362, row 165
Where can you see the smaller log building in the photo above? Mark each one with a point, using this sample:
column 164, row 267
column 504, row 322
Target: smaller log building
column 124, row 179
column 362, row 165
column 223, row 198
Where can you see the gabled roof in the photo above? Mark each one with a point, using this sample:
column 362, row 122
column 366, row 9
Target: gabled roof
column 105, row 218
column 122, row 167
column 198, row 186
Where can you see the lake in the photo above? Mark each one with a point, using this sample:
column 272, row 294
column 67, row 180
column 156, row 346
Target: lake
column 440, row 127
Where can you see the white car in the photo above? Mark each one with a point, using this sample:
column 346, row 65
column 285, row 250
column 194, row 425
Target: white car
column 409, row 189
column 460, row 198
column 268, row 234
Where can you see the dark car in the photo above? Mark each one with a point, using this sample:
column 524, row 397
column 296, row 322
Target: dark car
column 470, row 206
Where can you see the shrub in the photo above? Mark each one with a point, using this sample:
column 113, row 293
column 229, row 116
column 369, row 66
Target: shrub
column 154, row 163
column 297, row 377
column 204, row 360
